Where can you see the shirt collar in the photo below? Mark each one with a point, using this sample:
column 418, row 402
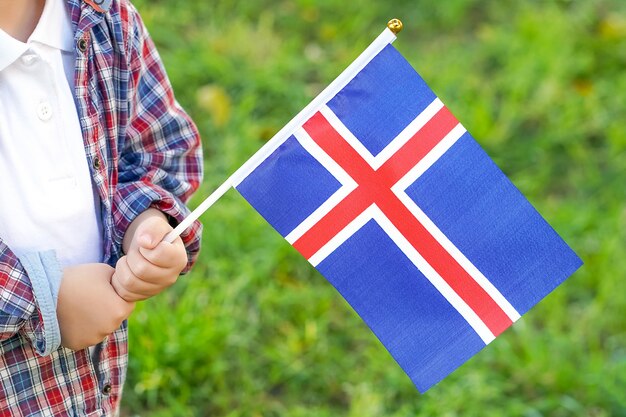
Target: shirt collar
column 10, row 49
column 54, row 28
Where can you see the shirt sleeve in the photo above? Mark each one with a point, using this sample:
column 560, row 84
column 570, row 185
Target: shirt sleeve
column 28, row 296
column 160, row 162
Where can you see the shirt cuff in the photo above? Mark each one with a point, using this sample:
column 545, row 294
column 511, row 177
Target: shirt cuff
column 45, row 276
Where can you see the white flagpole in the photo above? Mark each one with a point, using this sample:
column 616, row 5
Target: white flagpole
column 386, row 37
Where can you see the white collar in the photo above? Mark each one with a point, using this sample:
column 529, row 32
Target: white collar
column 10, row 49
column 54, row 29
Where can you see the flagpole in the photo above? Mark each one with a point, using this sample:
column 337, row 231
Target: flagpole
column 394, row 26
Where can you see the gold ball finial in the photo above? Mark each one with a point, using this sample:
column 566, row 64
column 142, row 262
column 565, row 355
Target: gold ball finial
column 395, row 25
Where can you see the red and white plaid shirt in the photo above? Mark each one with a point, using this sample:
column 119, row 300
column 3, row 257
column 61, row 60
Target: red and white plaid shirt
column 143, row 151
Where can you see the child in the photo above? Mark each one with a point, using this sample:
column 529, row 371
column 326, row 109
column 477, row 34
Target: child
column 96, row 162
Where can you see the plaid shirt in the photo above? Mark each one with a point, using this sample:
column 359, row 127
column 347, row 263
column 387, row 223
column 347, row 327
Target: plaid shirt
column 143, row 151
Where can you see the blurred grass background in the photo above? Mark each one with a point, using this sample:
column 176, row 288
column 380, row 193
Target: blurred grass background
column 255, row 331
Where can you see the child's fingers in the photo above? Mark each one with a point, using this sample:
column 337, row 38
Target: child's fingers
column 142, row 268
column 167, row 255
column 130, row 287
column 124, row 293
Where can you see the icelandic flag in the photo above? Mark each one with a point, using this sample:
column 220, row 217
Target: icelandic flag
column 380, row 187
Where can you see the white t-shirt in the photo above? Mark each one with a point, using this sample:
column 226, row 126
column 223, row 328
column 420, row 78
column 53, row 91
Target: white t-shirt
column 47, row 200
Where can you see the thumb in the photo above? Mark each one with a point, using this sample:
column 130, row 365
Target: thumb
column 151, row 232
column 146, row 240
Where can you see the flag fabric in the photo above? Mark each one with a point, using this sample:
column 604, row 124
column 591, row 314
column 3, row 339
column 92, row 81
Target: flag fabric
column 392, row 200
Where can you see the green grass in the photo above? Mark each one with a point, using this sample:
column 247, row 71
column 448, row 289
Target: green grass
column 253, row 330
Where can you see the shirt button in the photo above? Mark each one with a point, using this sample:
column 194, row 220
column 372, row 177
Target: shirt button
column 44, row 111
column 106, row 389
column 82, row 44
column 96, row 163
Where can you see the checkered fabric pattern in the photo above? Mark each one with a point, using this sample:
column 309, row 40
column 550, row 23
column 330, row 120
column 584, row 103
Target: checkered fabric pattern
column 143, row 151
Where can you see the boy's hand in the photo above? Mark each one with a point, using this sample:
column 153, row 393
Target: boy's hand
column 150, row 265
column 88, row 308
